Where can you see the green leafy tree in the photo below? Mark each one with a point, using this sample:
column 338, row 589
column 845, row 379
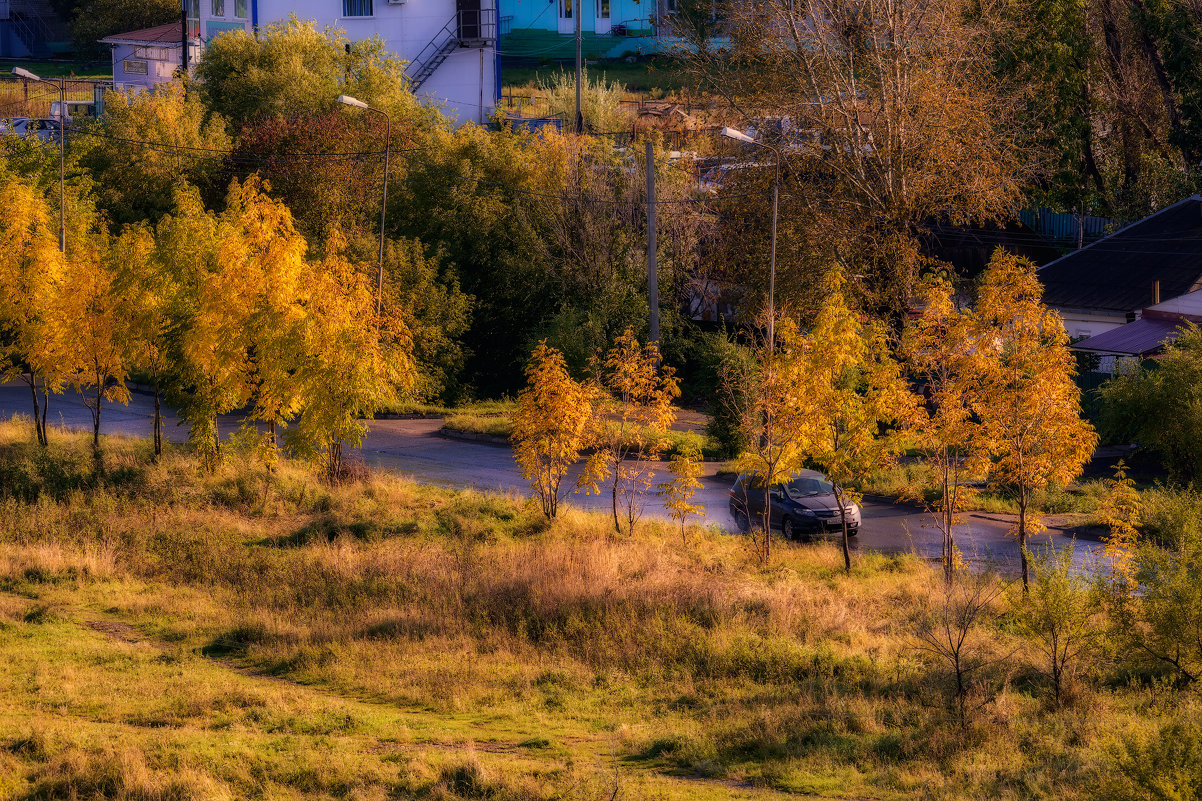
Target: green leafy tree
column 1137, row 402
column 292, row 69
column 1061, row 614
column 134, row 182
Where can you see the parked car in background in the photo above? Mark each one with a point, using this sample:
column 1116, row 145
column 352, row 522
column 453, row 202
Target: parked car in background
column 46, row 129
column 803, row 507
column 14, row 125
column 76, row 110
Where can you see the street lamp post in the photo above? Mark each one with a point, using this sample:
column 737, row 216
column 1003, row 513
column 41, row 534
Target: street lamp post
column 347, row 100
column 742, row 137
column 62, row 124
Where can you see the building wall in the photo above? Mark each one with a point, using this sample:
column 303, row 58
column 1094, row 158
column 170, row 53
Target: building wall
column 160, row 63
column 1080, row 323
column 465, row 84
column 545, row 14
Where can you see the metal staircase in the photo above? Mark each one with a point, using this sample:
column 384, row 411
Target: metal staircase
column 433, row 54
column 475, row 27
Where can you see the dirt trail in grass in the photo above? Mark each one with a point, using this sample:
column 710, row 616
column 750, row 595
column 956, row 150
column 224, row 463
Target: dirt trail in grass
column 600, row 747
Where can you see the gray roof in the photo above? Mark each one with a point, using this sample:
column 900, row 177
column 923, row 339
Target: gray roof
column 1116, row 274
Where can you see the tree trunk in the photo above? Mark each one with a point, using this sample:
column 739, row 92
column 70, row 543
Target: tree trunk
column 949, row 546
column 37, row 412
column 613, row 498
column 45, row 410
column 846, row 544
column 767, row 522
column 1022, row 536
column 158, row 423
column 96, row 416
column 1167, row 96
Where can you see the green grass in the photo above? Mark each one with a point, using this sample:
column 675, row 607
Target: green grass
column 101, row 69
column 661, row 76
column 493, row 407
column 914, row 480
column 500, row 425
column 171, row 633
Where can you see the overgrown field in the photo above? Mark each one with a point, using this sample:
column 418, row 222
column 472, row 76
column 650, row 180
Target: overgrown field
column 167, row 633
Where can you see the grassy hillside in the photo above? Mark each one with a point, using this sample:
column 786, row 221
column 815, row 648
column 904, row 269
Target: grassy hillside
column 166, row 633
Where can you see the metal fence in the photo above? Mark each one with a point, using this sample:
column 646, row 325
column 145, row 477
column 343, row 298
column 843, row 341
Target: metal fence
column 20, row 97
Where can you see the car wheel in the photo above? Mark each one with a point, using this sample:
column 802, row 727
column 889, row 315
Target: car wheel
column 853, row 531
column 787, row 529
column 742, row 523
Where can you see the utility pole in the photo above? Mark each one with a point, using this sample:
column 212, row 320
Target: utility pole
column 579, row 63
column 652, row 269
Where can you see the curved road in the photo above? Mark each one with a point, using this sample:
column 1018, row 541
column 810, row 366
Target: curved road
column 414, row 448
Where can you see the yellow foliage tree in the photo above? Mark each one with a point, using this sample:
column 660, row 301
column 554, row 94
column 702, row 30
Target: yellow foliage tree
column 207, row 348
column 1121, row 511
column 354, row 361
column 678, row 493
column 853, row 388
column 1027, row 402
column 268, row 279
column 31, row 281
column 551, row 426
column 93, row 326
column 148, row 290
column 940, row 352
column 775, row 420
column 632, row 414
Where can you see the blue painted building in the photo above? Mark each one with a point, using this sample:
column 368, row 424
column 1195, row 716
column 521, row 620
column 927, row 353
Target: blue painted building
column 544, row 30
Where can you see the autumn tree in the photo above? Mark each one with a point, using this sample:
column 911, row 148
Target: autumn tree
column 31, row 287
column 853, row 391
column 940, row 354
column 678, row 493
column 1027, row 402
column 631, row 419
column 886, row 118
column 93, row 326
column 1121, row 511
column 775, row 421
column 263, row 261
column 355, row 361
column 551, row 426
column 148, row 289
column 207, row 350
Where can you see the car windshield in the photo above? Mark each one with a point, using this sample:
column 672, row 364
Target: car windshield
column 808, row 487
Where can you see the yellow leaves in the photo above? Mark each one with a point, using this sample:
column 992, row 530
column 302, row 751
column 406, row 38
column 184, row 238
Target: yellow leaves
column 678, row 493
column 551, row 426
column 1122, row 512
column 1027, row 401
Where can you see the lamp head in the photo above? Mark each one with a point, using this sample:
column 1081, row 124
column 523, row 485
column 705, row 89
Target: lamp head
column 24, row 73
column 731, row 133
column 347, row 100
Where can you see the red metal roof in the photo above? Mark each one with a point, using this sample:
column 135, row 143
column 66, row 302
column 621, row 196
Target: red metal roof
column 169, row 35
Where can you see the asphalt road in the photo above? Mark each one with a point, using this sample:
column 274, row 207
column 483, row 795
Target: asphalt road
column 414, row 448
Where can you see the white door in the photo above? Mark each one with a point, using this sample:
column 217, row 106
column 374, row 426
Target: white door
column 604, row 24
column 566, row 23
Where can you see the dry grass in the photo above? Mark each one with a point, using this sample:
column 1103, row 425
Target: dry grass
column 269, row 635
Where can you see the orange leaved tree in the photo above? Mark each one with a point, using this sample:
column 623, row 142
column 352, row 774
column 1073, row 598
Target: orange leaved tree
column 631, row 419
column 854, row 390
column 941, row 354
column 1026, row 399
column 551, row 426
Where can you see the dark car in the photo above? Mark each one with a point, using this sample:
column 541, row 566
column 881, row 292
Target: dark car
column 801, row 507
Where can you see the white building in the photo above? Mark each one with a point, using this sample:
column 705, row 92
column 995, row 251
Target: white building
column 450, row 44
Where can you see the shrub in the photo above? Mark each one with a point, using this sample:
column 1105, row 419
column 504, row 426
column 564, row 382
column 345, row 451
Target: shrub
column 1166, row 765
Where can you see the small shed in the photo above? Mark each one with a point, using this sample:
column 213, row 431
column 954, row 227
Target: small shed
column 1157, row 326
column 142, row 59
